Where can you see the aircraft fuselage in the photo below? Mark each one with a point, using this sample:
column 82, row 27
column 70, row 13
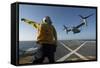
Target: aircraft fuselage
column 75, row 30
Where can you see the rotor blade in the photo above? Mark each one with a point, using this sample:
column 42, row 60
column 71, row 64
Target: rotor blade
column 65, row 27
column 89, row 15
column 81, row 16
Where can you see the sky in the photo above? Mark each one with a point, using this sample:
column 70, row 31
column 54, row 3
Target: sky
column 60, row 16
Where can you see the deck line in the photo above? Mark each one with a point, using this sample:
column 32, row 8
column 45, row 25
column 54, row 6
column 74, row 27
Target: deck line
column 72, row 52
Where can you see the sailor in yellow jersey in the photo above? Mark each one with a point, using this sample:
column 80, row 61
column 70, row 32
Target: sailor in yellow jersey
column 47, row 38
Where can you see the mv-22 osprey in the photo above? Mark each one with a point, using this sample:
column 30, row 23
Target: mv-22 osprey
column 76, row 28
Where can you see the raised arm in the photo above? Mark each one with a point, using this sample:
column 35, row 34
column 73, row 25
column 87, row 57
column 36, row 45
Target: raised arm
column 34, row 24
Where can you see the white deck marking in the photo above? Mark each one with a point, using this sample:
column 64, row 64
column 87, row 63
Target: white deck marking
column 72, row 52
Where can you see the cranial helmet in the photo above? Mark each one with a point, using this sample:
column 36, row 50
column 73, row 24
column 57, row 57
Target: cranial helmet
column 47, row 20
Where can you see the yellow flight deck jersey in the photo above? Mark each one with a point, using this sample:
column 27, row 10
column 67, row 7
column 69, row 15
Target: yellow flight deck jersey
column 46, row 32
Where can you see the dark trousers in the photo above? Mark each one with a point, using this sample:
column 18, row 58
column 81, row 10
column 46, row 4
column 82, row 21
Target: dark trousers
column 48, row 50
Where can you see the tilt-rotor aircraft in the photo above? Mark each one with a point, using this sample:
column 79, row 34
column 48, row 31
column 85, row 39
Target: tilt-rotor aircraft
column 76, row 29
